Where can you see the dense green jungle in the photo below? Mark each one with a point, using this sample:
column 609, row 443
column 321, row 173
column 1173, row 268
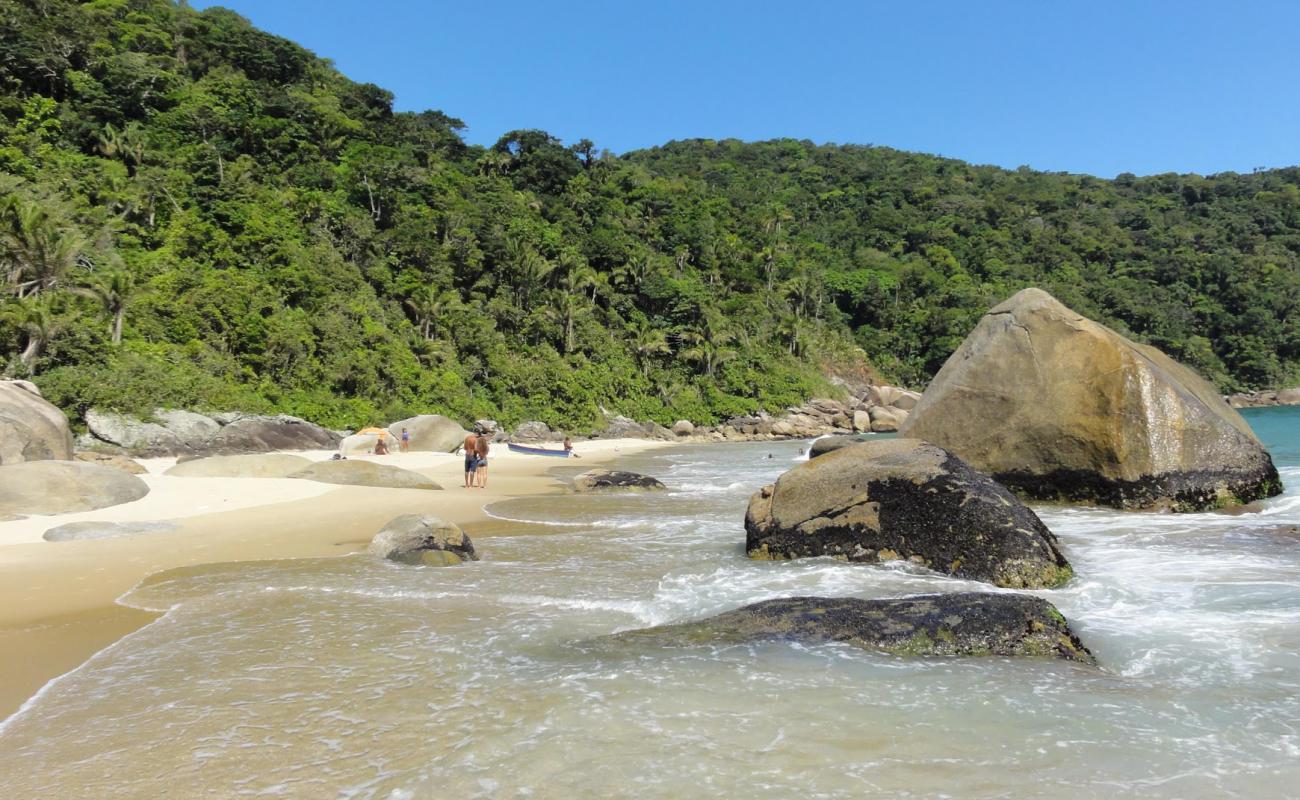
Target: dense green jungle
column 197, row 214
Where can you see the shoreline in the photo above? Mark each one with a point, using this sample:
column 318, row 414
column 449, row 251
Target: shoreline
column 58, row 600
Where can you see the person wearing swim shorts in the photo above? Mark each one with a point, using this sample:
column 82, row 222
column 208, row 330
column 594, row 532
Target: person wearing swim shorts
column 471, row 459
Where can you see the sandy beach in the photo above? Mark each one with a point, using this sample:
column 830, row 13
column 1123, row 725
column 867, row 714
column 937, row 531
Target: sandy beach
column 57, row 599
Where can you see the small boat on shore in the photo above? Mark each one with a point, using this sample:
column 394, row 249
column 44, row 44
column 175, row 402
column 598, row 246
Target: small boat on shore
column 536, row 451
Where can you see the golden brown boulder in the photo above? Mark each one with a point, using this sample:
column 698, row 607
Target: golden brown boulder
column 31, row 429
column 1057, row 406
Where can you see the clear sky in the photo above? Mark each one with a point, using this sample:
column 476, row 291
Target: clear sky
column 1099, row 86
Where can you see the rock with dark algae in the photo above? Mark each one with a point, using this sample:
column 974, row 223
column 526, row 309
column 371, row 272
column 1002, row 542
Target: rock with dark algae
column 422, row 539
column 891, row 499
column 601, row 480
column 1058, row 407
column 961, row 624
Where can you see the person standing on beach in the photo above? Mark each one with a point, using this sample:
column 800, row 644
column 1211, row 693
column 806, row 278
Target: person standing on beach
column 481, row 450
column 471, row 459
column 406, row 441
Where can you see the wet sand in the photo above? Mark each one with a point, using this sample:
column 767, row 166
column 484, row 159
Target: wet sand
column 57, row 599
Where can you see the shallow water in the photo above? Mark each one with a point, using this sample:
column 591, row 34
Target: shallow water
column 354, row 678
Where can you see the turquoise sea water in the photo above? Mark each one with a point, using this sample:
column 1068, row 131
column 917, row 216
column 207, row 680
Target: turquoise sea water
column 355, row 678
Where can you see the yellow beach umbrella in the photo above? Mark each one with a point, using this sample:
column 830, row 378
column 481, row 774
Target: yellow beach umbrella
column 372, row 429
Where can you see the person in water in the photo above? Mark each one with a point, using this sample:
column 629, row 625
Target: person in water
column 406, row 440
column 471, row 459
column 481, row 451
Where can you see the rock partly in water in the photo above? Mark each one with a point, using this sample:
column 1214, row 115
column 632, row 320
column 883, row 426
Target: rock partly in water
column 829, row 444
column 421, row 539
column 885, row 500
column 1059, row 407
column 31, row 429
column 349, row 472
column 431, row 433
column 61, row 487
column 246, row 465
column 84, row 531
column 599, row 480
column 960, row 624
column 861, row 420
column 109, row 460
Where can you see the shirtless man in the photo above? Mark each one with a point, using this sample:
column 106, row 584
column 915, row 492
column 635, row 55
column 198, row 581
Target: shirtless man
column 481, row 450
column 471, row 459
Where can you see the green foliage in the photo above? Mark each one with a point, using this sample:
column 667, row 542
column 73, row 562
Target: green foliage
column 196, row 213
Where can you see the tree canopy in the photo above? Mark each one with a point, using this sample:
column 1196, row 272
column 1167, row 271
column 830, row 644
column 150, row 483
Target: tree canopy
column 196, row 213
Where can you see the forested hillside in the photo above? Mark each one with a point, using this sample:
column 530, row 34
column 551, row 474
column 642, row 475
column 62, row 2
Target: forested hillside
column 197, row 214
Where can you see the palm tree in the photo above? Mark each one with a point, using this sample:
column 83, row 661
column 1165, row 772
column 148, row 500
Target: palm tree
column 36, row 251
column 708, row 342
column 430, row 307
column 113, row 291
column 647, row 341
column 126, row 144
column 37, row 318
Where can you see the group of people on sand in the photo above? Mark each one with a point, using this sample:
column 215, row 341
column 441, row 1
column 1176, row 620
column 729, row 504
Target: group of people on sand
column 476, row 449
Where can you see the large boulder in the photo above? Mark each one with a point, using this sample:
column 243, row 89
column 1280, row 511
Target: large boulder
column 600, row 480
column 31, row 429
column 364, row 473
column 245, row 465
column 532, row 432
column 1059, row 407
column 110, row 460
column 621, row 427
column 433, row 433
column 61, row 487
column 683, row 427
column 886, row 419
column 182, row 433
column 1289, row 397
column 861, row 420
column 829, row 444
column 891, row 499
column 960, row 624
column 357, row 444
column 421, row 539
column 258, row 434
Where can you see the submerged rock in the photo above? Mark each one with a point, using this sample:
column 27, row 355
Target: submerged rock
column 420, row 539
column 891, row 499
column 961, row 624
column 1057, row 406
column 247, row 465
column 31, row 429
column 364, row 473
column 61, row 487
column 599, row 480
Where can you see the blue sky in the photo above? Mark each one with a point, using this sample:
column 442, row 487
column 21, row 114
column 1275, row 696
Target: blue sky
column 1095, row 87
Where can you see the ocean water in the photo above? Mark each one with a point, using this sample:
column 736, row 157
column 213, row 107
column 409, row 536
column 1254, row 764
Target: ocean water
column 359, row 679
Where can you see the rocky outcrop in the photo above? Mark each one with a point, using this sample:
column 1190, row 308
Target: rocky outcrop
column 61, row 487
column 247, row 465
column 892, row 499
column 1285, row 397
column 683, row 427
column 885, row 419
column 85, row 531
column 432, row 433
column 349, row 472
column 960, row 624
column 185, row 433
column 109, row 460
column 420, row 539
column 31, row 429
column 1059, row 407
column 533, row 432
column 600, row 480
